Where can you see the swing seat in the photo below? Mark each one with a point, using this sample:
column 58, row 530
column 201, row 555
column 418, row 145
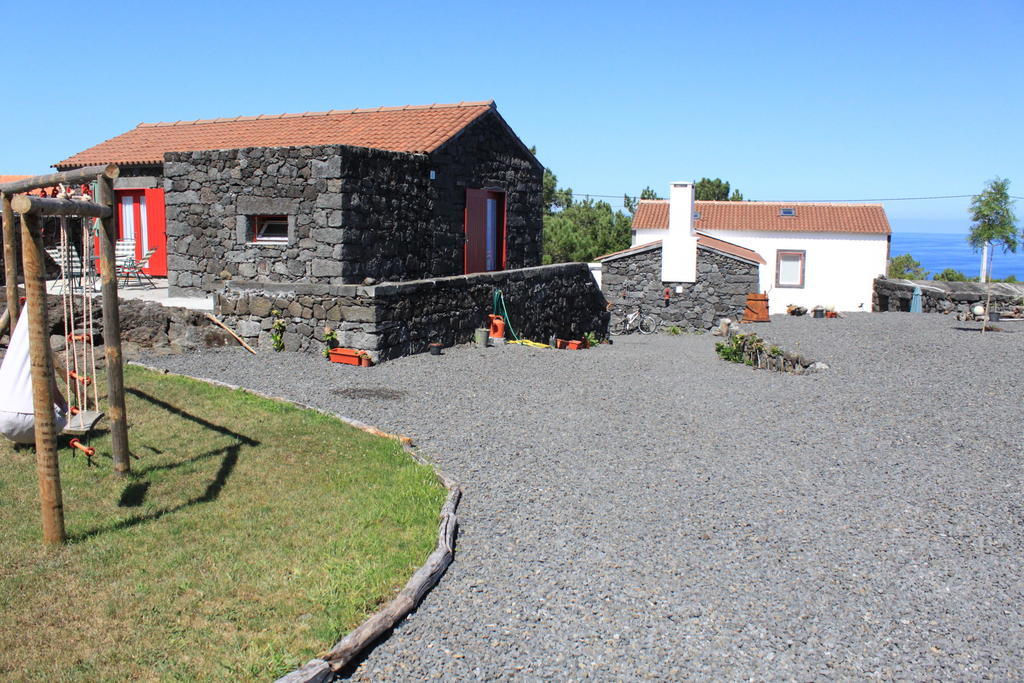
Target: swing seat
column 82, row 422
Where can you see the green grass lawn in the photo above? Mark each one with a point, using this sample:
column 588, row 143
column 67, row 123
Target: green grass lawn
column 249, row 537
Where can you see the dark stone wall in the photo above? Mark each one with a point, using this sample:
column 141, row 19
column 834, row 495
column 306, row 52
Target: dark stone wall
column 399, row 319
column 355, row 213
column 942, row 297
column 340, row 201
column 486, row 155
column 720, row 290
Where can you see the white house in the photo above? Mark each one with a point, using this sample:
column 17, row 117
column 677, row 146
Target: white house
column 815, row 253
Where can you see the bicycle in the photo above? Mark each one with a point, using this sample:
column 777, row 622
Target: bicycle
column 633, row 322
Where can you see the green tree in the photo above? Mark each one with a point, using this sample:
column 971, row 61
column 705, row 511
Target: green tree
column 631, row 202
column 951, row 275
column 993, row 219
column 707, row 189
column 555, row 198
column 583, row 231
column 906, row 267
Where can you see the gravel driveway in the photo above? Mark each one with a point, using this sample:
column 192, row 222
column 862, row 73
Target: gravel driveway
column 646, row 510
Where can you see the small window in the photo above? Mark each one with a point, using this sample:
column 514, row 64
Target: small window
column 269, row 228
column 787, row 212
column 789, row 268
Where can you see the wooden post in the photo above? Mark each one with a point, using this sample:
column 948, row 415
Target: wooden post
column 112, row 330
column 47, row 466
column 10, row 260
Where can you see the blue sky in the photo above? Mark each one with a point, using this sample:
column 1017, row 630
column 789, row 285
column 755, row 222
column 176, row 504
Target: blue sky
column 786, row 100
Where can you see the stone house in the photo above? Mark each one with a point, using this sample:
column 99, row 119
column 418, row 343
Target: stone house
column 686, row 279
column 817, row 253
column 327, row 198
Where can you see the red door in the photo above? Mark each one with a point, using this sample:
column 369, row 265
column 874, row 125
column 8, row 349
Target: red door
column 141, row 219
column 485, row 231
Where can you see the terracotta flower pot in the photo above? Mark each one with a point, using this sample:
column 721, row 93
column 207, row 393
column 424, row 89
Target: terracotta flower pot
column 349, row 357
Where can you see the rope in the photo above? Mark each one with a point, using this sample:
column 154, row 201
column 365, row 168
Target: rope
column 64, row 313
column 88, row 286
column 68, row 299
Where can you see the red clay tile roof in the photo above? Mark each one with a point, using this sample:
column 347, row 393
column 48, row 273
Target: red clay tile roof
column 652, row 214
column 706, row 241
column 12, row 178
column 728, row 248
column 625, row 252
column 414, row 129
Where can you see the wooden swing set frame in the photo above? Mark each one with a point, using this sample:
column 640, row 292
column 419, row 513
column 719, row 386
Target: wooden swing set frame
column 31, row 208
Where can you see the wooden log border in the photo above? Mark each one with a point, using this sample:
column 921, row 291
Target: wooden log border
column 426, row 577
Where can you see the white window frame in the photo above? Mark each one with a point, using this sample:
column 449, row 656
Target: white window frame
column 802, row 253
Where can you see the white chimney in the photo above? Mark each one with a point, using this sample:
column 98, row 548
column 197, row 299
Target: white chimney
column 679, row 247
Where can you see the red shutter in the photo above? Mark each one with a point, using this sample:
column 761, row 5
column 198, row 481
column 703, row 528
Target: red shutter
column 156, row 221
column 476, row 231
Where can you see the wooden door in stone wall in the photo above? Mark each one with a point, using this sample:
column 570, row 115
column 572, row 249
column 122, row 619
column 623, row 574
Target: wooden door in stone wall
column 485, row 231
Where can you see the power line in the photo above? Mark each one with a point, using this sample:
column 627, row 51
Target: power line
column 621, row 198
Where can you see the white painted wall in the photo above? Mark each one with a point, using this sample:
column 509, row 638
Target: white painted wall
column 595, row 271
column 839, row 268
column 647, row 236
column 679, row 245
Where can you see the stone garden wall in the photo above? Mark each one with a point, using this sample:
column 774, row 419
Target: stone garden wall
column 145, row 326
column 399, row 319
column 942, row 297
column 353, row 213
column 720, row 290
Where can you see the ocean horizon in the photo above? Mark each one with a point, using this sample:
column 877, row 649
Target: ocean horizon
column 937, row 251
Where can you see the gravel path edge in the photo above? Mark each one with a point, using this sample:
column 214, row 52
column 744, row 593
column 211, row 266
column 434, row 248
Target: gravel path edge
column 422, row 581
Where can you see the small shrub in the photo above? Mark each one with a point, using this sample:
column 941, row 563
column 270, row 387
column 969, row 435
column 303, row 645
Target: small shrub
column 277, row 331
column 330, row 341
column 673, row 330
column 731, row 349
column 591, row 339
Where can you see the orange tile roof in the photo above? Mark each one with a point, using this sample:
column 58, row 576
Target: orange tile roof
column 414, row 129
column 707, row 241
column 728, row 248
column 651, row 214
column 810, row 217
column 12, row 178
column 625, row 252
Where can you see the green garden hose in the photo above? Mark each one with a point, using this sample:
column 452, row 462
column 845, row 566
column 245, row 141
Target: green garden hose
column 498, row 304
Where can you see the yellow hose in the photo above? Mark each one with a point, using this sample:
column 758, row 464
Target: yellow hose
column 527, row 342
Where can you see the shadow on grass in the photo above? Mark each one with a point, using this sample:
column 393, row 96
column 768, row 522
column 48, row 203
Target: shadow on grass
column 134, row 493
column 209, row 495
column 192, row 418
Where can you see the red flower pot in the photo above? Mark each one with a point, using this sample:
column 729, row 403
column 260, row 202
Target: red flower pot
column 350, row 357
